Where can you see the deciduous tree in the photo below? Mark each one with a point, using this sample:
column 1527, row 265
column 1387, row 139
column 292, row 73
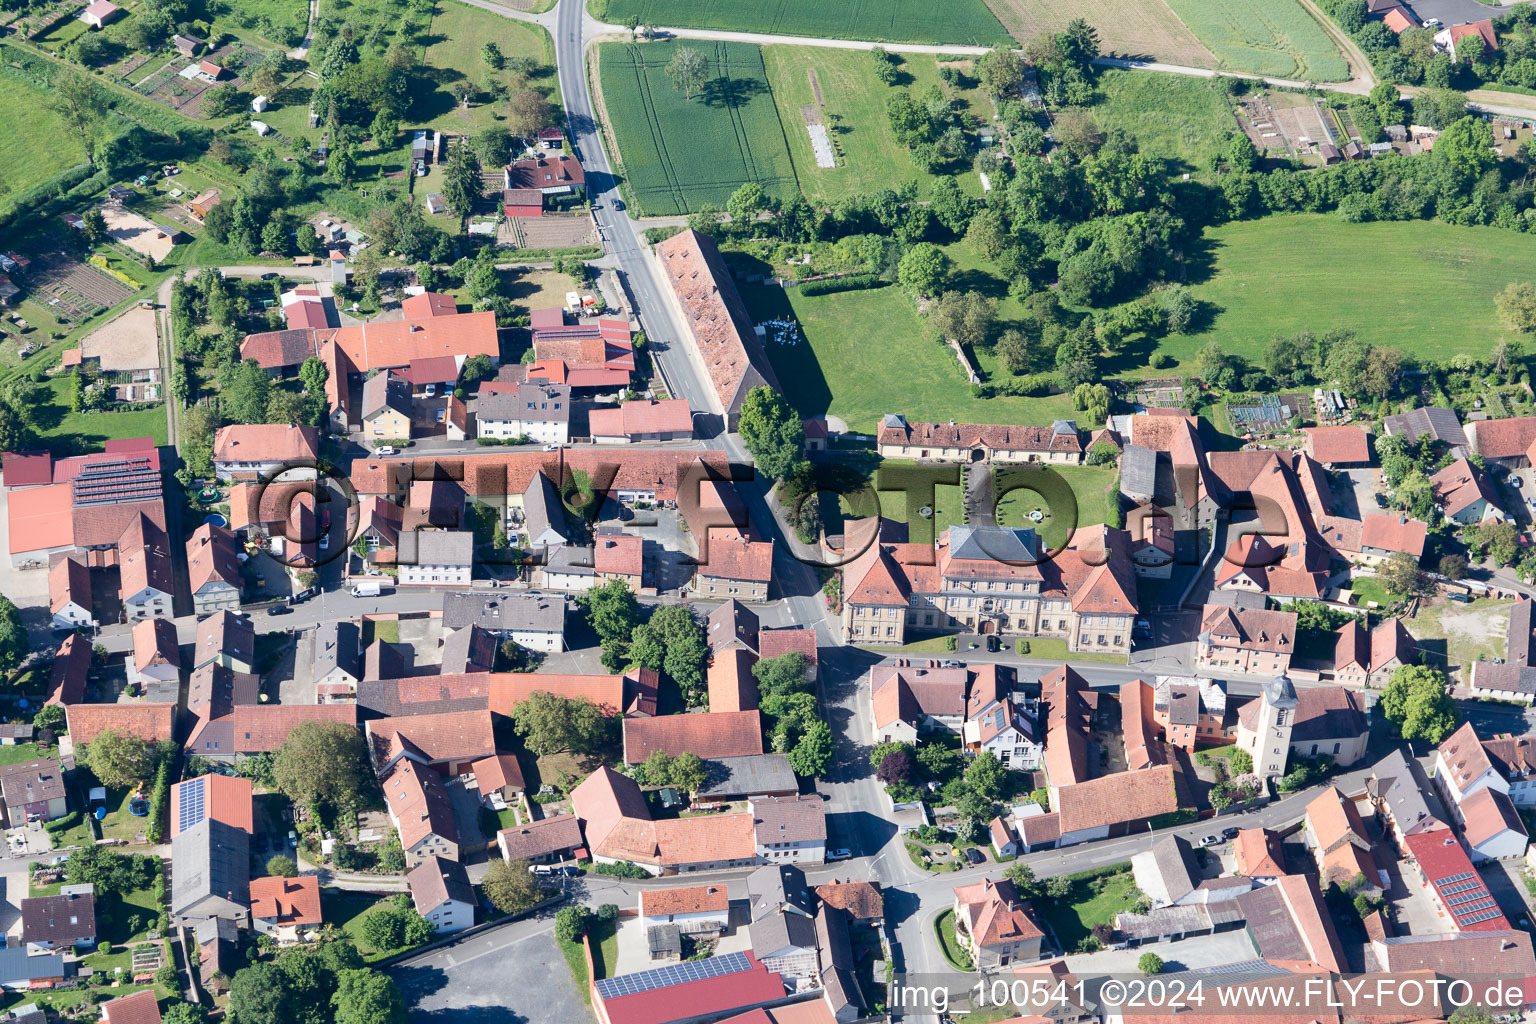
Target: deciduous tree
column 511, row 886
column 366, row 996
column 772, row 432
column 119, row 760
column 322, row 760
column 687, row 71
column 550, row 724
column 1417, row 704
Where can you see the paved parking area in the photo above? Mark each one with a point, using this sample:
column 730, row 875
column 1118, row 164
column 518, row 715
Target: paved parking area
column 480, row 980
column 1185, row 954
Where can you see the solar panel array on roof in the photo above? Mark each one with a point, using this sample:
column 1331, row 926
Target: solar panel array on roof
column 1450, row 879
column 1451, row 890
column 114, row 481
column 1467, row 897
column 1487, row 915
column 676, row 974
column 193, row 803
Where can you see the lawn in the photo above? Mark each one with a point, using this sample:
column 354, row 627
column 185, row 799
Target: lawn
column 121, row 911
column 536, row 289
column 348, row 910
column 1258, row 296
column 1050, row 648
column 1176, row 117
column 949, row 942
column 1094, row 488
column 880, row 353
column 39, row 146
column 1145, row 28
column 1368, row 591
column 59, row 428
column 916, row 21
column 457, row 33
column 898, row 506
column 605, row 953
column 1264, row 37
column 1090, row 902
column 853, row 107
column 119, row 824
column 680, row 153
column 280, row 21
column 15, row 753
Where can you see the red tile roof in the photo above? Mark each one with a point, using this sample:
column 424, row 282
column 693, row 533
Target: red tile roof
column 212, row 557
column 288, row 901
column 1390, row 531
column 497, row 772
column 509, row 689
column 419, row 802
column 70, row 672
column 427, row 304
column 862, row 900
column 981, row 435
column 139, row 1008
column 718, row 320
column 69, row 581
column 545, row 172
column 642, row 417
column 154, row 642
column 149, row 722
column 1123, row 796
column 395, row 343
column 1503, row 439
column 1258, row 853
column 1251, row 629
column 619, row 554
column 1444, row 863
column 732, row 687
column 1460, row 485
column 771, row 643
column 225, row 798
column 719, row 734
column 452, row 736
column 684, row 899
column 259, row 727
column 1338, row 445
column 706, row 999
column 265, row 442
column 26, row 469
column 735, row 556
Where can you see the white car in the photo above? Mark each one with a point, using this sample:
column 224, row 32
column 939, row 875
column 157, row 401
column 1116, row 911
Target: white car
column 835, row 855
column 386, row 450
column 1431, row 22
column 551, row 447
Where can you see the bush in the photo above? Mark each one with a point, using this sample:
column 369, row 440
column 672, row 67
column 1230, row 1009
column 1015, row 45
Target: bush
column 166, row 978
column 623, row 869
column 1150, row 963
column 160, row 801
column 282, row 866
column 608, row 912
column 1161, row 361
column 571, row 922
column 826, row 286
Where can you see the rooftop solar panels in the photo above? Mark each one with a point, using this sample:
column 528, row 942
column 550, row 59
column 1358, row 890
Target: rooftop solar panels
column 675, row 974
column 1451, row 890
column 1486, row 915
column 116, row 480
column 193, row 807
column 1441, row 883
column 1466, row 897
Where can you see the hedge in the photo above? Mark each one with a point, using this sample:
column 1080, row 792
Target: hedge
column 159, row 802
column 828, row 285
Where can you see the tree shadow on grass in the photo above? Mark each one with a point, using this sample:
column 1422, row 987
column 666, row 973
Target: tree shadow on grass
column 990, row 285
column 730, row 92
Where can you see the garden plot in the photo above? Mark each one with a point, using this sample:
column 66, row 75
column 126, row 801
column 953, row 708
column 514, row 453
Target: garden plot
column 72, row 291
column 1264, row 129
column 184, row 93
column 821, row 144
column 1300, row 121
column 555, row 232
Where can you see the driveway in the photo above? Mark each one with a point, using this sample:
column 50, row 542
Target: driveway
column 1453, row 12
column 472, row 982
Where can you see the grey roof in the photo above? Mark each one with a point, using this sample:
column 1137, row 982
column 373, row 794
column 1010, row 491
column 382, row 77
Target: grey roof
column 736, row 777
column 1166, row 872
column 543, row 511
column 1138, row 470
column 384, row 660
column 209, row 929
column 732, row 621
column 543, row 613
column 386, row 390
column 338, row 645
column 454, row 548
column 790, row 819
column 1271, row 924
column 210, row 859
column 17, row 966
column 664, row 938
column 993, row 543
column 532, row 403
column 60, row 920
column 32, row 782
column 1440, row 424
column 1393, row 782
column 468, row 650
column 436, row 881
column 571, row 561
column 777, row 932
column 382, row 697
column 776, row 885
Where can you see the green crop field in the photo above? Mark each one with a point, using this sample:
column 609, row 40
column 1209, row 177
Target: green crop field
column 853, row 104
column 1260, row 292
column 1265, row 37
column 870, row 353
column 680, row 153
column 1186, row 120
column 915, row 21
column 39, row 146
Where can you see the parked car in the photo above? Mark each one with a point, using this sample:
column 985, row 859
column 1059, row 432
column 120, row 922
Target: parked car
column 279, row 609
column 1515, row 481
column 270, row 275
column 1230, row 832
column 551, row 447
column 386, row 450
column 1209, row 841
column 835, row 855
column 293, row 839
column 975, row 856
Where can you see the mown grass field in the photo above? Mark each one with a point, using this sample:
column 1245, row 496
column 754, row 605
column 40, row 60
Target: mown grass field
column 868, row 353
column 1140, row 28
column 853, row 105
column 1093, row 488
column 681, row 153
column 915, row 21
column 1259, row 293
column 1265, row 37
column 452, row 54
column 38, row 145
column 1176, row 117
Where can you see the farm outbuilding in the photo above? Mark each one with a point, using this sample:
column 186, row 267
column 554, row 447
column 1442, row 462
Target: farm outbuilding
column 99, row 13
column 522, row 202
